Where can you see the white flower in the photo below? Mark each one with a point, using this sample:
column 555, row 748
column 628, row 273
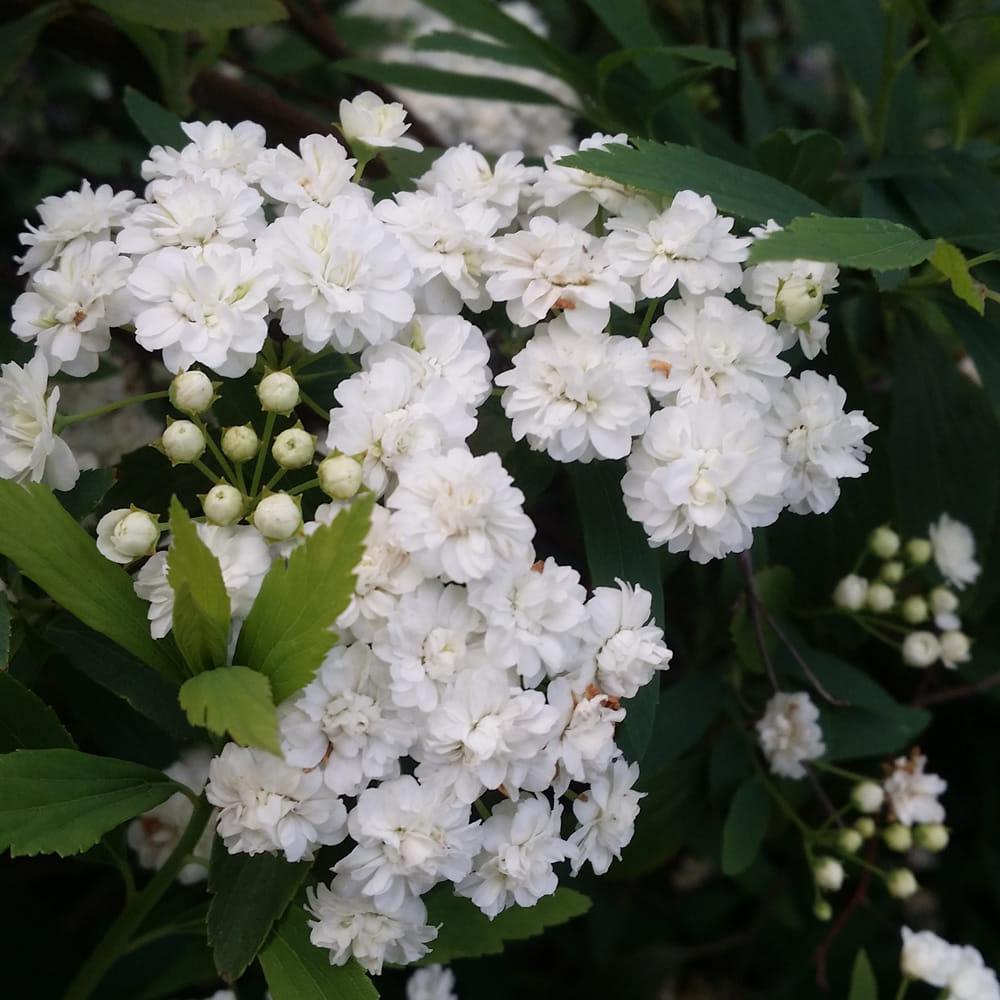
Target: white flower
column 125, row 534
column 65, row 218
column 927, row 957
column 972, row 979
column 434, row 982
column 576, row 194
column 913, row 794
column 213, row 146
column 321, row 172
column 348, row 924
column 954, row 548
column 956, row 648
column 828, row 873
column 30, row 450
column 944, row 603
column 343, row 723
column 69, row 310
column 342, row 276
column 459, row 515
column 521, row 843
column 790, row 734
column 706, row 349
column 586, row 742
column 851, row 592
column 627, row 645
column 409, row 837
column 532, row 618
column 606, row 813
column 154, row 835
column 207, row 307
column 822, row 442
column 687, row 244
column 578, row 396
column 703, row 476
column 553, row 265
column 266, row 805
column 921, row 649
column 485, row 733
column 243, row 558
column 369, row 120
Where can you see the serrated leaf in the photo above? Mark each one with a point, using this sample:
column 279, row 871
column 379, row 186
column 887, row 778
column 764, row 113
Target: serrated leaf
column 195, row 15
column 467, row 45
column 746, row 824
column 666, row 168
column 49, row 547
column 63, row 801
column 19, row 38
column 234, row 700
column 803, row 159
column 249, row 893
column 26, row 722
column 863, row 983
column 288, row 631
column 159, row 127
column 295, row 969
column 866, row 244
column 951, row 262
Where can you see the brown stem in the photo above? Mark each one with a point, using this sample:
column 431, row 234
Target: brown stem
column 753, row 607
column 954, row 694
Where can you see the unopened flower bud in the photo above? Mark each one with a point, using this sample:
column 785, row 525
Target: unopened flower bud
column 192, row 392
column 931, row 836
column 126, row 534
column 883, row 542
column 921, row 649
column 881, row 598
column 865, row 825
column 798, row 301
column 892, row 571
column 850, row 593
column 897, row 837
column 278, row 517
column 278, row 392
column 867, row 796
column 294, row 448
column 223, row 504
column 849, row 840
column 339, row 476
column 943, row 601
column 914, row 610
column 829, row 874
column 901, row 883
column 918, row 551
column 183, row 442
column 822, row 910
column 956, row 648
column 240, row 444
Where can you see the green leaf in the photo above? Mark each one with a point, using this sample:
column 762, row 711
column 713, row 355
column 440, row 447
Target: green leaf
column 951, row 262
column 646, row 55
column 195, row 15
column 467, row 933
column 19, row 38
column 88, row 492
column 234, row 700
column 666, row 168
column 295, row 969
column 687, row 708
column 867, row 244
column 158, row 126
column 467, row 45
column 5, row 631
column 63, row 801
column 863, row 983
column 745, row 827
column 981, row 338
column 288, row 631
column 617, row 549
column 250, row 893
column 49, row 547
column 26, row 722
column 201, row 605
column 803, row 159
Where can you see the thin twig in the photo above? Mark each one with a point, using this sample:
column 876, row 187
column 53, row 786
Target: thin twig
column 753, row 606
column 824, row 799
column 954, row 694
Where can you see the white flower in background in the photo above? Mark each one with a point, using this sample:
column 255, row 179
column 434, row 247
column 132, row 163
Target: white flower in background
column 434, row 982
column 349, row 925
column 577, row 396
column 532, row 618
column 626, row 645
column 851, row 592
column 126, row 534
column 789, row 733
column 266, row 805
column 927, row 957
column 213, row 146
column 459, row 515
column 954, row 548
column 30, row 450
column 921, row 649
column 944, row 605
column 409, row 837
column 369, row 120
column 703, row 476
column 606, row 814
column 586, row 742
column 823, row 443
column 554, row 265
column 710, row 348
column 575, row 194
column 218, row 207
column 484, row 733
column 154, row 835
column 243, row 557
column 202, row 307
column 69, row 310
column 956, row 648
column 687, row 244
column 65, row 218
column 342, row 276
column 343, row 723
column 972, row 979
column 913, row 793
column 319, row 173
column 521, row 843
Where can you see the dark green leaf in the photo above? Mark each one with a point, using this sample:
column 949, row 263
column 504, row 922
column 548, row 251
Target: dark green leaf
column 63, row 801
column 158, row 126
column 686, row 710
column 250, row 893
column 189, row 967
column 745, row 827
column 646, row 55
column 234, row 700
column 88, row 492
column 5, row 631
column 195, row 15
column 805, row 160
column 981, row 338
column 863, row 983
column 467, row 45
column 26, row 722
column 951, row 262
column 18, row 38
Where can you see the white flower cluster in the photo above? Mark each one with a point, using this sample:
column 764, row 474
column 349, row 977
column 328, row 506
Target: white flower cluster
column 958, row 971
column 789, row 733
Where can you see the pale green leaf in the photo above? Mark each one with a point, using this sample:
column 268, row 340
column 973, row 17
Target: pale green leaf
column 195, row 15
column 158, row 126
column 746, row 824
column 26, row 722
column 863, row 983
column 951, row 262
column 234, row 700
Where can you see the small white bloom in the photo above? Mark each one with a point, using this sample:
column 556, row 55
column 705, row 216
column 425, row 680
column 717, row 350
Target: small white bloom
column 927, row 957
column 278, row 516
column 223, row 504
column 971, row 978
column 867, row 796
column 369, row 120
column 125, row 534
column 321, row 172
column 828, row 873
column 955, row 649
column 851, row 592
column 913, row 794
column 213, row 146
column 921, row 649
column 434, row 982
column 790, row 734
column 944, row 603
column 606, row 813
column 585, row 745
column 954, row 551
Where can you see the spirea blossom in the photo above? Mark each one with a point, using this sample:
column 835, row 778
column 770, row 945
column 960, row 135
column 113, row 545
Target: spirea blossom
column 954, row 549
column 434, row 982
column 212, row 146
column 914, row 792
column 369, row 120
column 790, row 734
column 606, row 815
column 319, row 173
